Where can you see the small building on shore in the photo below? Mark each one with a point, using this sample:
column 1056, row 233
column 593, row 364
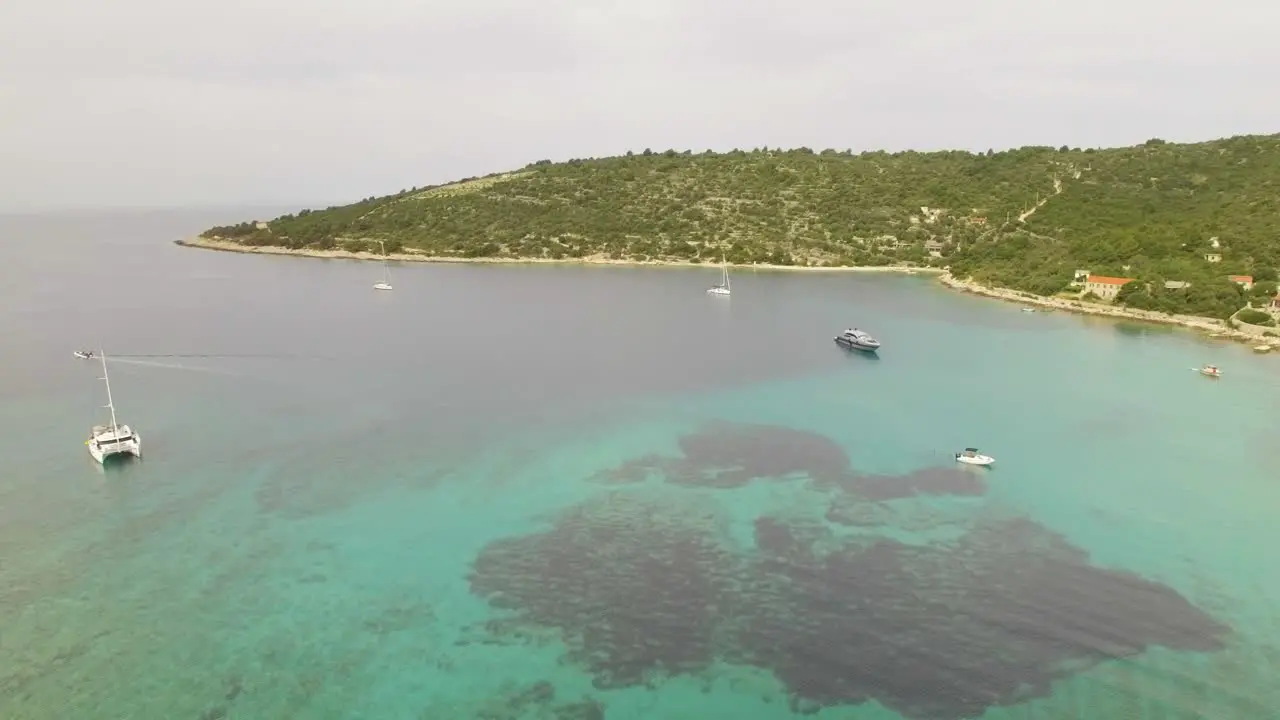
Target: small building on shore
column 1244, row 281
column 1176, row 284
column 1105, row 287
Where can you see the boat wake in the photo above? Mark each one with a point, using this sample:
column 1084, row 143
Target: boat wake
column 170, row 366
column 274, row 356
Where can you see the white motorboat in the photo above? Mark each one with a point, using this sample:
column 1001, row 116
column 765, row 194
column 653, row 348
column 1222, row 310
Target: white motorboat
column 386, row 270
column 1211, row 371
column 107, row 441
column 721, row 288
column 855, row 339
column 971, row 456
column 84, row 354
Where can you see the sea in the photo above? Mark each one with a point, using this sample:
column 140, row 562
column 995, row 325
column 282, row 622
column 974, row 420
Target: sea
column 519, row 492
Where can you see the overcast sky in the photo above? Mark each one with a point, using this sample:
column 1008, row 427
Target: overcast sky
column 173, row 102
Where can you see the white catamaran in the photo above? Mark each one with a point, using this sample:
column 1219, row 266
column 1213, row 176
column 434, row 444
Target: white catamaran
column 106, row 441
column 722, row 288
column 386, row 270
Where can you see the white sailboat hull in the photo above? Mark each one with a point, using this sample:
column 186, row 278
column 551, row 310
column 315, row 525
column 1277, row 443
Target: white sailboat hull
column 108, row 441
column 721, row 288
column 386, row 270
column 104, row 449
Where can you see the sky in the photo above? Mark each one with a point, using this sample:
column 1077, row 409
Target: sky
column 167, row 103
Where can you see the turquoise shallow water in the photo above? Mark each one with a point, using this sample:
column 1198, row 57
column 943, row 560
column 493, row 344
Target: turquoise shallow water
column 598, row 493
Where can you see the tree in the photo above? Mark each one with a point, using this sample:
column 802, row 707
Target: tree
column 1133, row 293
column 1255, row 317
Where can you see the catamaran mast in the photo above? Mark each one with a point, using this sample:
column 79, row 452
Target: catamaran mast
column 110, row 404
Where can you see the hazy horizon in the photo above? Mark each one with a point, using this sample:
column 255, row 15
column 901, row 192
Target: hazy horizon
column 104, row 210
column 288, row 207
column 144, row 103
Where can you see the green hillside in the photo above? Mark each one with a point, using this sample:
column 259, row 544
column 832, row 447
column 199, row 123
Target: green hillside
column 1154, row 208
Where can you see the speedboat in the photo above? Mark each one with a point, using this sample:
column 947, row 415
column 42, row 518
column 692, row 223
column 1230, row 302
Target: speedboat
column 84, row 354
column 971, row 456
column 1211, row 371
column 855, row 339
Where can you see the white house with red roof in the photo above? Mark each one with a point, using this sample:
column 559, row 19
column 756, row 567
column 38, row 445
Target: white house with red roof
column 1105, row 287
column 1244, row 281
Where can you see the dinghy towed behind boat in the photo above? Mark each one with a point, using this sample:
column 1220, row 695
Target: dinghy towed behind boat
column 971, row 456
column 106, row 441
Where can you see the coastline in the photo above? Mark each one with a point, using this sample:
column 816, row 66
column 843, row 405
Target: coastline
column 228, row 246
column 1211, row 326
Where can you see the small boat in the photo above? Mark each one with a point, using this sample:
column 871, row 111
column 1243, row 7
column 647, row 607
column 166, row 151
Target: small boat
column 855, row 339
column 107, row 441
column 1262, row 348
column 722, row 287
column 1211, row 371
column 386, row 271
column 84, row 354
column 971, row 456
column 1028, row 309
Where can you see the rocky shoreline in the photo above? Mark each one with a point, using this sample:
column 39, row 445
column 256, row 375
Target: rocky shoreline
column 230, row 246
column 1211, row 326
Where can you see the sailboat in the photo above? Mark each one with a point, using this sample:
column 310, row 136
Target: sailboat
column 721, row 288
column 106, row 441
column 386, row 270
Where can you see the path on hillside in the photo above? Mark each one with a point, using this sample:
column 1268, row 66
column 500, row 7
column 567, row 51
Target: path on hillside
column 1057, row 190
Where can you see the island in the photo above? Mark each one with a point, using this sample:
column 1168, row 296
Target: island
column 1177, row 232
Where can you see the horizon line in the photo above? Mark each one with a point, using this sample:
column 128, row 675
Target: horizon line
column 179, row 207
